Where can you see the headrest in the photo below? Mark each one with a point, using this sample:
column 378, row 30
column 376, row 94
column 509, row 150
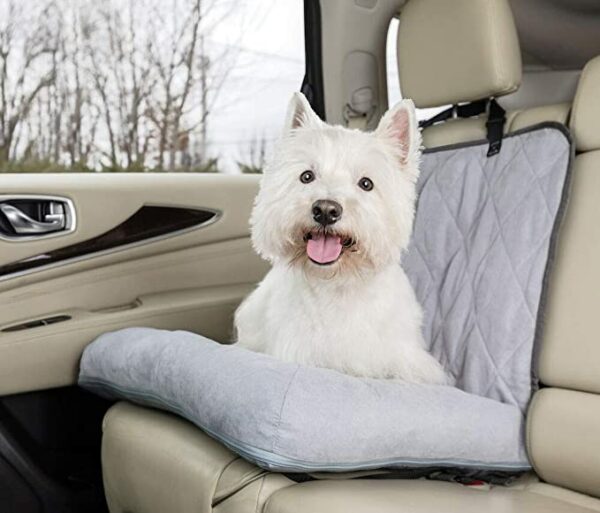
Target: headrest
column 585, row 116
column 457, row 51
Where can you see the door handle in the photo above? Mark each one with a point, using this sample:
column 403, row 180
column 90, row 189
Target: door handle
column 32, row 217
column 22, row 224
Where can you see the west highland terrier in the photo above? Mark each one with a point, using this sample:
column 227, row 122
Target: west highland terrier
column 333, row 215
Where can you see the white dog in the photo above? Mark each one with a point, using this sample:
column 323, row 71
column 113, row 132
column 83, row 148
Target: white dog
column 334, row 213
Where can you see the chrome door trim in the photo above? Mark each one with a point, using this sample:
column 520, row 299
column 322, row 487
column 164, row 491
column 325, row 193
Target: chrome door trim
column 70, row 215
column 134, row 245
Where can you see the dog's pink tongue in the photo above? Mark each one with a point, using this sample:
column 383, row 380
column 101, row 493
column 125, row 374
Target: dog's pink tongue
column 324, row 248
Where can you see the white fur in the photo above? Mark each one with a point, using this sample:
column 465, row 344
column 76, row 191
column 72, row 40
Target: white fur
column 360, row 314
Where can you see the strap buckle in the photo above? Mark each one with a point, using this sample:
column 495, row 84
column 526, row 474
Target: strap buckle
column 495, row 127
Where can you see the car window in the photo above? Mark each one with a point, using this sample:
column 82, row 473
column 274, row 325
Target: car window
column 145, row 85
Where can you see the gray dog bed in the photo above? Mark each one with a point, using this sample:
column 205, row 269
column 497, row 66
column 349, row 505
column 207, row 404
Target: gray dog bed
column 479, row 261
column 292, row 418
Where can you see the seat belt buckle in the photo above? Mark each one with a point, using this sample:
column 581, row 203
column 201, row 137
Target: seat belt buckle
column 359, row 111
column 495, row 127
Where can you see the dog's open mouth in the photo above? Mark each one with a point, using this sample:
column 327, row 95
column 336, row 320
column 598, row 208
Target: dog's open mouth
column 326, row 248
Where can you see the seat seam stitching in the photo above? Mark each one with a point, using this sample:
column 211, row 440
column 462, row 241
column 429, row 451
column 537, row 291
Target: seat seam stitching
column 283, row 401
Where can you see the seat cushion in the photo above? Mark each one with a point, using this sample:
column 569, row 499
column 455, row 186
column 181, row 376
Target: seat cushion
column 563, row 438
column 155, row 462
column 294, row 418
column 395, row 496
column 146, row 453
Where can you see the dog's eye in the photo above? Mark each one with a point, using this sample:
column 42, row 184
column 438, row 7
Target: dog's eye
column 366, row 184
column 307, row 176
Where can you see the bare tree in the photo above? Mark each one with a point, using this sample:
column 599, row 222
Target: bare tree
column 255, row 159
column 28, row 45
column 122, row 81
column 122, row 86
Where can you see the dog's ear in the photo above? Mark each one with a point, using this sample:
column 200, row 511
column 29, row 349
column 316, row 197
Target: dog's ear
column 300, row 114
column 400, row 125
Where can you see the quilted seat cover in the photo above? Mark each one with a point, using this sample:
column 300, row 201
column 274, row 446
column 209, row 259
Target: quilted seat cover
column 483, row 237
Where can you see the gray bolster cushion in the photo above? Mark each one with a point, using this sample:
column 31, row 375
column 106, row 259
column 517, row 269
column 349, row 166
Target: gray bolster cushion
column 292, row 418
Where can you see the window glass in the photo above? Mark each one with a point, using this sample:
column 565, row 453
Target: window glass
column 145, row 85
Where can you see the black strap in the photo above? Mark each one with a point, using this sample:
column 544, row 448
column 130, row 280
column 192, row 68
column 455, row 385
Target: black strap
column 495, row 127
column 467, row 110
column 494, row 124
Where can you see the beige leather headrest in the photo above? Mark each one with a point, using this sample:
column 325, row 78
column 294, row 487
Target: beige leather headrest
column 453, row 51
column 585, row 116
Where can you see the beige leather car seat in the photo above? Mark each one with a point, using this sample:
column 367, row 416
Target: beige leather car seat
column 462, row 51
column 564, row 419
column 154, row 462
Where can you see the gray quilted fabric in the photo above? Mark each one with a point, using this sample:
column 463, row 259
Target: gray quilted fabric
column 481, row 242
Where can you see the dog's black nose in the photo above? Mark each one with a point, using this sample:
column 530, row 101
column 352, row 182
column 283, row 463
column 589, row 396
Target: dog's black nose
column 326, row 212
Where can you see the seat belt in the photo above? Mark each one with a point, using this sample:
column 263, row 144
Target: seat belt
column 494, row 125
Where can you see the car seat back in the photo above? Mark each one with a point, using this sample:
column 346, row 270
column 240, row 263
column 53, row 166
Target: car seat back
column 564, row 419
column 451, row 53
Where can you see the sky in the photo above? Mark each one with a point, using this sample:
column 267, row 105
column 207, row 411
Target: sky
column 268, row 38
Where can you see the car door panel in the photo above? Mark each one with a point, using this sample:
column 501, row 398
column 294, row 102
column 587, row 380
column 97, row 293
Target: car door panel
column 48, row 356
column 190, row 279
column 104, row 201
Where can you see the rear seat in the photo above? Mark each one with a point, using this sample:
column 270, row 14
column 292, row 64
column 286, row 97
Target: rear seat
column 461, row 51
column 154, row 462
column 456, row 131
column 564, row 420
